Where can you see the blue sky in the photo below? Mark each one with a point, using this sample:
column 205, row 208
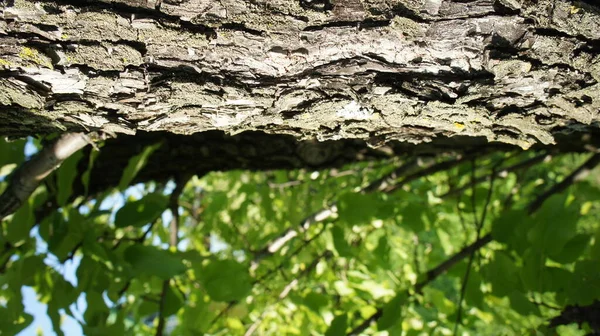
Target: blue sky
column 71, row 326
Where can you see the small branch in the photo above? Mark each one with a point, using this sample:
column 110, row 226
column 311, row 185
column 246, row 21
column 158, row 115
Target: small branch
column 288, row 288
column 479, row 224
column 382, row 184
column 29, row 176
column 516, row 167
column 579, row 174
column 173, row 241
column 432, row 274
column 438, row 167
column 289, row 257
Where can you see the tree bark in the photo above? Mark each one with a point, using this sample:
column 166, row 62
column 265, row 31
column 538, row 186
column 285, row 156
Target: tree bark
column 416, row 75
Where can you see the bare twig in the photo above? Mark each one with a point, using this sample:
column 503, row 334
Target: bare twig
column 29, row 176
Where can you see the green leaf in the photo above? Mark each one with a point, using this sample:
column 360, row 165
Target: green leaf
column 20, row 225
column 412, row 217
column 522, row 305
column 30, row 267
column 392, row 312
column 316, row 301
column 11, row 324
column 382, row 252
column 173, row 301
column 554, row 224
column 226, row 280
column 504, row 228
column 502, row 273
column 153, row 261
column 68, row 235
column 85, row 177
column 357, row 208
column 141, row 212
column 339, row 242
column 12, row 151
column 147, row 308
column 65, row 176
column 556, row 279
column 136, row 164
column 439, row 300
column 473, row 292
column 338, row 326
column 531, row 271
column 572, row 249
column 584, row 287
column 96, row 311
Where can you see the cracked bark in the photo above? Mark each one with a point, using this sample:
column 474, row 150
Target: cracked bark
column 285, row 84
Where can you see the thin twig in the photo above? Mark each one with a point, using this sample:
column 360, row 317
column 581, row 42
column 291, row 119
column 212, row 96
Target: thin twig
column 577, row 175
column 173, row 241
column 516, row 167
column 288, row 288
column 483, row 241
column 479, row 224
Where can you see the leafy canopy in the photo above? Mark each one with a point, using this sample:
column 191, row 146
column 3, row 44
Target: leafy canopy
column 245, row 253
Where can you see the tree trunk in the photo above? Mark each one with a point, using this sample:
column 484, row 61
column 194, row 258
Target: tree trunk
column 424, row 75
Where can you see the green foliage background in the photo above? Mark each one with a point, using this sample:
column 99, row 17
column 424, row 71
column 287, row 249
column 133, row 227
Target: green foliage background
column 369, row 258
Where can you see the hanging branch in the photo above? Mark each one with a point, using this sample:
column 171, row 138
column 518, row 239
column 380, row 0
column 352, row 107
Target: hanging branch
column 432, row 274
column 173, row 241
column 28, row 177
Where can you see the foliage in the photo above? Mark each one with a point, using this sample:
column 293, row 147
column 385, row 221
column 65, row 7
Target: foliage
column 248, row 258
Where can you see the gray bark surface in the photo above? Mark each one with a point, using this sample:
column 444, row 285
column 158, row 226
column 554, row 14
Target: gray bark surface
column 409, row 74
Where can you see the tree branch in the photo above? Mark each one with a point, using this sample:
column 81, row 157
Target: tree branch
column 173, row 241
column 28, row 177
column 432, row 274
column 382, row 184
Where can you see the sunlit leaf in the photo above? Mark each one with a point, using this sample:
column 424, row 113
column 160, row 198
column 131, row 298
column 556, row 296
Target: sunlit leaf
column 226, row 280
column 439, row 300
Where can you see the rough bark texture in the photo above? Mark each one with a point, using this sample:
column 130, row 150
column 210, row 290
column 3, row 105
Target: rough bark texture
column 433, row 73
